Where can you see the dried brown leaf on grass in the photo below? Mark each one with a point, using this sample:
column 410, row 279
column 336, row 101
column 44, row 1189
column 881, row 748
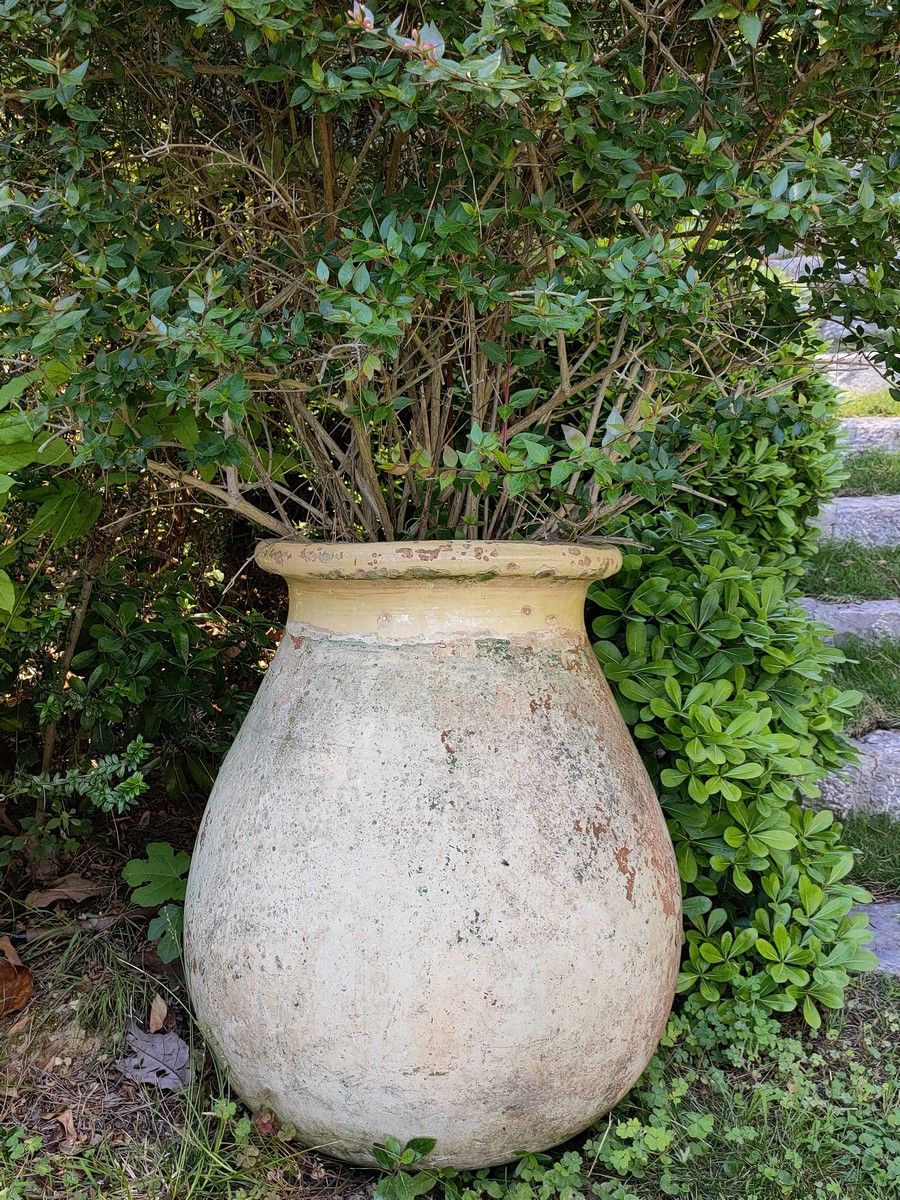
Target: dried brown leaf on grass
column 16, row 981
column 160, row 1059
column 74, row 888
column 159, row 1010
column 67, row 1121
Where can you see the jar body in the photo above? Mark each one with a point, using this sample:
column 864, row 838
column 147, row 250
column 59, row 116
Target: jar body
column 433, row 894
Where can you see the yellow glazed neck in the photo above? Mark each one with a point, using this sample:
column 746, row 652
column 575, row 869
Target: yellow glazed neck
column 439, row 591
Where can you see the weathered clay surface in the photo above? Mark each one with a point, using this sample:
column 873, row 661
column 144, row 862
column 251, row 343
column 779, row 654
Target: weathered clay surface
column 873, row 785
column 884, row 918
column 871, row 433
column 433, row 893
column 861, row 618
column 868, row 520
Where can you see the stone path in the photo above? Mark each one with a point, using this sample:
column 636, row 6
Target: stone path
column 854, row 374
column 873, row 785
column 884, row 917
column 869, row 520
column 871, row 433
column 859, row 618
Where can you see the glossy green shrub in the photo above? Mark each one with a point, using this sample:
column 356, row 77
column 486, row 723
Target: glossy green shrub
column 725, row 683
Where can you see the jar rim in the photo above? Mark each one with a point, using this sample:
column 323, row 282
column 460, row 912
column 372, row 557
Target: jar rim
column 438, row 560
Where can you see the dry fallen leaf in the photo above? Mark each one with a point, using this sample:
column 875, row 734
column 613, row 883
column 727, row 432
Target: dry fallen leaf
column 97, row 924
column 66, row 1120
column 158, row 1013
column 74, row 888
column 159, row 1058
column 16, row 981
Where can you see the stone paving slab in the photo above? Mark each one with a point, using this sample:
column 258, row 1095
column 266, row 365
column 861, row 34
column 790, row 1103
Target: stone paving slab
column 884, row 917
column 869, row 520
column 861, row 618
column 871, row 433
column 856, row 375
column 873, row 785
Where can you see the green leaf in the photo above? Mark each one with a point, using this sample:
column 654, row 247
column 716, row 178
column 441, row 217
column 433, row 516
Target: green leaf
column 751, row 27
column 67, row 515
column 778, row 839
column 159, row 877
column 743, row 942
column 747, row 770
column 866, row 194
column 166, row 929
column 421, row 1145
column 711, row 953
column 14, row 388
column 811, row 1014
column 181, row 640
column 767, row 950
column 7, row 593
column 779, row 184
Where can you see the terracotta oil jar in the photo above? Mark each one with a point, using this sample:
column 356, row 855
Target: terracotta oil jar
column 433, row 894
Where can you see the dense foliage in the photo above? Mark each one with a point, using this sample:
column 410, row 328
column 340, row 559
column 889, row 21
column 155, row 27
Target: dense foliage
column 725, row 683
column 360, row 276
column 129, row 658
column 504, row 275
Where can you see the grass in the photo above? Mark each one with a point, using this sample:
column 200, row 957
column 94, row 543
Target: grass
column 873, row 668
column 847, row 571
column 877, row 404
column 133, row 1142
column 875, row 837
column 872, row 473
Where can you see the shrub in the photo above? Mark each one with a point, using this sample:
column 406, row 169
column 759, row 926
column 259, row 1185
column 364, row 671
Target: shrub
column 123, row 636
column 725, row 683
column 768, row 452
column 357, row 280
column 121, row 667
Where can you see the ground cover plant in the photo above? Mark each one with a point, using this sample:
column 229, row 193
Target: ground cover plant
column 847, row 571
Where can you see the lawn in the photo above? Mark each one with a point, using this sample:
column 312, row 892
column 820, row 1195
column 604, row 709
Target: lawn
column 736, row 1108
column 876, row 404
column 875, row 839
column 873, row 668
column 872, row 473
column 848, row 571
